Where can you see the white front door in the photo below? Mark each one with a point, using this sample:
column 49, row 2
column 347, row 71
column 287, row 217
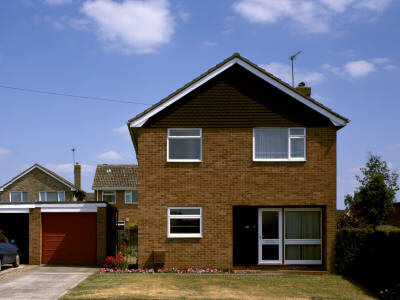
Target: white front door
column 270, row 235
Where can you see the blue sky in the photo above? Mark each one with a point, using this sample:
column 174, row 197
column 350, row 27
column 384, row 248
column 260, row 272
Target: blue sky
column 141, row 51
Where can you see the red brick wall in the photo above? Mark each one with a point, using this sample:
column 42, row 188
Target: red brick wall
column 35, row 236
column 226, row 177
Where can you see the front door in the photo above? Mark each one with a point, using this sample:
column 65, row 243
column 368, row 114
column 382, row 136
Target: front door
column 270, row 235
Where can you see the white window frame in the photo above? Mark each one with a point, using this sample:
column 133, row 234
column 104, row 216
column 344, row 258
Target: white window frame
column 185, row 137
column 290, row 137
column 185, row 235
column 108, row 193
column 303, row 241
column 277, row 241
column 130, row 192
column 21, row 196
column 45, row 198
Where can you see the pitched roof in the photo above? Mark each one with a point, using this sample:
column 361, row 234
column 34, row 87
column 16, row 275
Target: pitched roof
column 115, row 177
column 141, row 119
column 48, row 172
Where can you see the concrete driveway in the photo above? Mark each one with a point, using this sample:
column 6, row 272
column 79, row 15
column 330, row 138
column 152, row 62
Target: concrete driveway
column 43, row 282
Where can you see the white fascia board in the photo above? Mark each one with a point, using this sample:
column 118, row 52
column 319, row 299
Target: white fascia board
column 31, row 169
column 334, row 119
column 116, row 189
column 51, row 208
column 140, row 122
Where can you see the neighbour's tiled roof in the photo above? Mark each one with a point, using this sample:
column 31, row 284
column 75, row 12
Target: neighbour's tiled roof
column 115, row 176
column 235, row 55
column 49, row 172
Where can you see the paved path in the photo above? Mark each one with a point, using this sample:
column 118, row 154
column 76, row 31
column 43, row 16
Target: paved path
column 43, row 282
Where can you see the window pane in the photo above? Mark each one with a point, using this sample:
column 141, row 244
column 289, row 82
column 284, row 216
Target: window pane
column 297, row 147
column 52, row 196
column 61, row 195
column 15, row 196
column 184, row 132
column 185, row 225
column 109, row 198
column 135, row 196
column 302, row 225
column 303, row 252
column 25, row 196
column 42, row 196
column 270, row 252
column 185, row 148
column 297, row 131
column 270, row 225
column 184, row 211
column 128, row 197
column 271, row 143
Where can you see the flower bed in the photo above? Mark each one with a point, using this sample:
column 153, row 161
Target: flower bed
column 174, row 271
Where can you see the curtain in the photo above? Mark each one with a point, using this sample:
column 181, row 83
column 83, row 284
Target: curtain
column 271, row 142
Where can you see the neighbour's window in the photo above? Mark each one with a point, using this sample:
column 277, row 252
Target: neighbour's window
column 131, row 197
column 109, row 197
column 185, row 222
column 279, row 144
column 184, row 145
column 58, row 196
column 303, row 231
column 18, row 196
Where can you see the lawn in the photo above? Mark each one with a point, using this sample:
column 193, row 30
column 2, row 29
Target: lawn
column 211, row 286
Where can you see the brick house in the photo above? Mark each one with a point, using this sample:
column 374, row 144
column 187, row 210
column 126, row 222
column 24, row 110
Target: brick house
column 50, row 221
column 38, row 183
column 237, row 169
column 117, row 185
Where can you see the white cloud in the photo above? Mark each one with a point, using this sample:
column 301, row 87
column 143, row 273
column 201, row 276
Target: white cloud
column 209, row 44
column 306, row 16
column 80, row 24
column 358, row 68
column 69, row 168
column 56, row 2
column 284, row 72
column 4, row 152
column 113, row 156
column 131, row 26
column 123, row 131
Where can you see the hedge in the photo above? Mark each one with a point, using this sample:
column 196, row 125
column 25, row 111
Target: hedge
column 370, row 256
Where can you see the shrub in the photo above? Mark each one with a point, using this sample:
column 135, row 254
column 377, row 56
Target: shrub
column 120, row 261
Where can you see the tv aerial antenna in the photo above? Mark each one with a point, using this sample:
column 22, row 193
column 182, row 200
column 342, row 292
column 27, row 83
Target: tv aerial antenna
column 73, row 153
column 292, row 58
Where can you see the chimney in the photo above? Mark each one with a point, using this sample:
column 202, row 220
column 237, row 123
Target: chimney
column 77, row 175
column 303, row 89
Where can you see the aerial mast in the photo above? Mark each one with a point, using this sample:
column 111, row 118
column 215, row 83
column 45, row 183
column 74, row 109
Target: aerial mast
column 293, row 57
column 73, row 153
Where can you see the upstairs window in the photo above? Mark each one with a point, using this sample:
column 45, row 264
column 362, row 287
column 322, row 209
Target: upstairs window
column 279, row 144
column 109, row 197
column 52, row 196
column 131, row 197
column 18, row 196
column 184, row 145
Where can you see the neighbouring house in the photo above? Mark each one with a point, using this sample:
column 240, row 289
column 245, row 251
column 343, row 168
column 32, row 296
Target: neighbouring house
column 237, row 169
column 117, row 185
column 50, row 221
column 38, row 183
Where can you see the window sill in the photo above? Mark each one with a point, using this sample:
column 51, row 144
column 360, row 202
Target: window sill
column 279, row 160
column 131, row 203
column 186, row 236
column 184, row 160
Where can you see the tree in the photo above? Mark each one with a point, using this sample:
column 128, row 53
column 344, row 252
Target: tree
column 373, row 200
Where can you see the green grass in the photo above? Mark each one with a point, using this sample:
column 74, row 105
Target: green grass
column 229, row 286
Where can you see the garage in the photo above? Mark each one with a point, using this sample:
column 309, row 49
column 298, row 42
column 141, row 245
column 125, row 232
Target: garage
column 69, row 238
column 16, row 226
column 61, row 233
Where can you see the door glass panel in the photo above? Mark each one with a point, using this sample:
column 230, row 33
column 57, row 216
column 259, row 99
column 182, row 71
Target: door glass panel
column 270, row 252
column 270, row 225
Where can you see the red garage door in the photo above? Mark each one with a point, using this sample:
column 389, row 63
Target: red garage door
column 69, row 238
